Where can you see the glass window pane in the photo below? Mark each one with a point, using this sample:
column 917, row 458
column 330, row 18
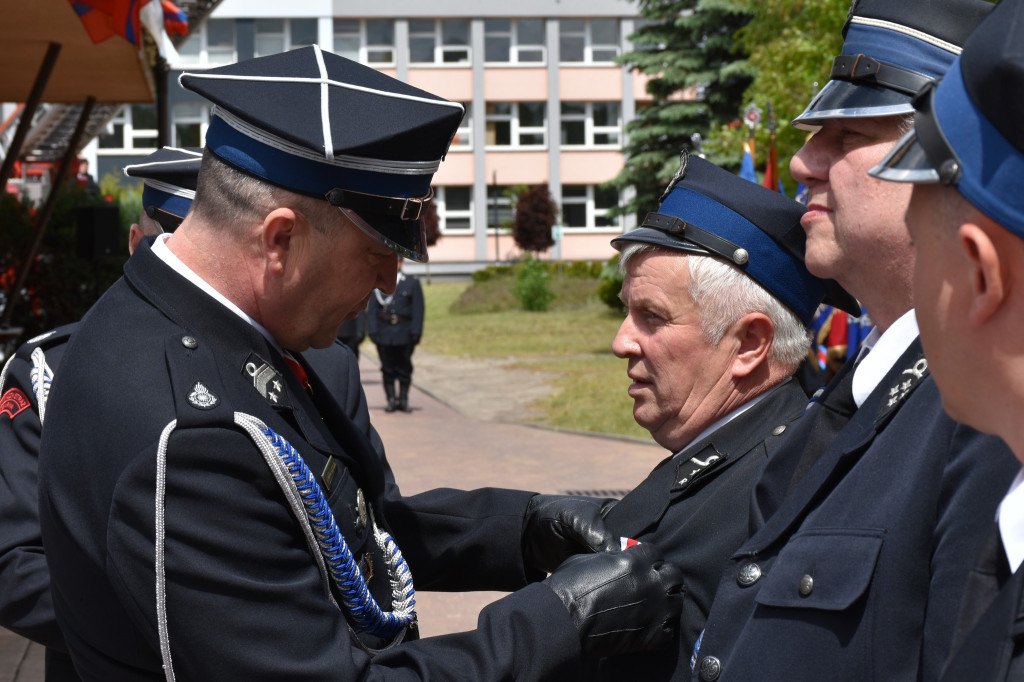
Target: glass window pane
column 380, row 32
column 456, row 223
column 379, row 56
column 114, row 139
column 421, row 26
column 347, row 46
column 605, row 55
column 605, row 198
column 574, row 191
column 531, row 55
column 143, row 117
column 604, row 31
column 573, row 132
column 457, row 198
column 574, row 109
column 606, row 113
column 497, row 25
column 496, row 48
column 303, row 32
column 269, row 45
column 499, row 133
column 144, row 142
column 606, row 138
column 531, row 114
column 269, row 26
column 499, row 108
column 456, row 56
column 421, row 50
column 531, row 138
column 187, row 135
column 455, row 31
column 220, row 33
column 190, row 49
column 574, row 215
column 571, row 26
column 347, row 25
column 530, row 31
column 571, row 48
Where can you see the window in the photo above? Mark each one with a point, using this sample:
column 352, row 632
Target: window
column 464, row 135
column 440, row 41
column 514, row 41
column 190, row 123
column 280, row 35
column 591, row 124
column 133, row 128
column 455, row 208
column 499, row 206
column 512, row 124
column 588, row 41
column 370, row 41
column 212, row 45
column 586, row 206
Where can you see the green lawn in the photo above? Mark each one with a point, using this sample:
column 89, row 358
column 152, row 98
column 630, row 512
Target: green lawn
column 575, row 343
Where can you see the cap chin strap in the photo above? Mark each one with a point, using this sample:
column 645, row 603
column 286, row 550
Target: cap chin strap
column 860, row 68
column 691, row 233
column 403, row 208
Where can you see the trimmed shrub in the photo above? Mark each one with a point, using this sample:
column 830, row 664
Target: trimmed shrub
column 532, row 287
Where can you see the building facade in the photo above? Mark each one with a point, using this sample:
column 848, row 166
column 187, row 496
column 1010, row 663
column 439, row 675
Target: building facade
column 545, row 102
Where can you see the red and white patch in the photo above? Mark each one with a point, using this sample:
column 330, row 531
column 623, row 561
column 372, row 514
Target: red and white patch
column 14, row 402
column 626, row 543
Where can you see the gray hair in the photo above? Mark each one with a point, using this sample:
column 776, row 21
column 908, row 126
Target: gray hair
column 724, row 293
column 226, row 196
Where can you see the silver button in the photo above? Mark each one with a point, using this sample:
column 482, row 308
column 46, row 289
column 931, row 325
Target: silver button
column 189, row 342
column 740, row 256
column 749, row 575
column 778, row 430
column 710, row 668
column 806, row 585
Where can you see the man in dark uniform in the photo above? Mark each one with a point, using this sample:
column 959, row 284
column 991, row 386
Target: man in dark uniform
column 212, row 513
column 26, row 605
column 867, row 517
column 966, row 216
column 396, row 325
column 352, row 332
column 718, row 301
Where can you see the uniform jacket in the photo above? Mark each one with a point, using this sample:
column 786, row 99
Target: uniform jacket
column 157, row 371
column 694, row 507
column 858, row 574
column 407, row 307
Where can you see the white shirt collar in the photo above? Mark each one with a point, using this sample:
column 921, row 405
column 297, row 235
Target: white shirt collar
column 161, row 251
column 886, row 348
column 722, row 421
column 1010, row 516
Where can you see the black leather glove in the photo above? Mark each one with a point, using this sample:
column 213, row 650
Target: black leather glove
column 557, row 526
column 621, row 602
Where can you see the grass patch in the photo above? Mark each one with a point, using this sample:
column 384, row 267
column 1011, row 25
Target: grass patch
column 573, row 341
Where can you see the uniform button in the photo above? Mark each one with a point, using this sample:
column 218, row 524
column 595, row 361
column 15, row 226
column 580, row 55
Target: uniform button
column 189, row 342
column 710, row 668
column 806, row 585
column 777, row 431
column 749, row 575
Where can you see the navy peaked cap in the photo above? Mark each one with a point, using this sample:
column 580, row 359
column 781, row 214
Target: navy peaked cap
column 709, row 211
column 169, row 183
column 892, row 49
column 328, row 127
column 967, row 128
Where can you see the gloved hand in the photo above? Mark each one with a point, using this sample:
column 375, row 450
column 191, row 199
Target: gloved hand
column 415, row 339
column 557, row 526
column 621, row 602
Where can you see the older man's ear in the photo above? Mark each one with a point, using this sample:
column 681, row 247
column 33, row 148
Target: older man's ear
column 752, row 335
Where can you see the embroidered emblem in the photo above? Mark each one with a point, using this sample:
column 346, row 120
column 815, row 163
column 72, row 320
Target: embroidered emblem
column 201, row 398
column 14, row 402
column 699, row 467
column 265, row 379
column 900, row 390
column 625, row 543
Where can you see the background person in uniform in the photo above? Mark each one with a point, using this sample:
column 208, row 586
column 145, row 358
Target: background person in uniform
column 867, row 517
column 26, row 604
column 352, row 332
column 213, row 513
column 966, row 217
column 718, row 300
column 396, row 325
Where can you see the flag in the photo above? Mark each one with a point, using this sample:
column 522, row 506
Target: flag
column 105, row 18
column 801, row 193
column 771, row 171
column 747, row 163
column 175, row 21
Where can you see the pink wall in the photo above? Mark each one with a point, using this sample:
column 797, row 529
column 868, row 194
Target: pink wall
column 597, row 84
column 641, row 95
column 455, row 84
column 454, row 248
column 456, row 169
column 515, row 84
column 590, row 167
column 515, row 168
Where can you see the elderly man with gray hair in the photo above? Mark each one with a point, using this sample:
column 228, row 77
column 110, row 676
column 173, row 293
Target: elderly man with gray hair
column 718, row 303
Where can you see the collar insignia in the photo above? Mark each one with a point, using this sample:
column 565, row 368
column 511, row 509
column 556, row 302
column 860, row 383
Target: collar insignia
column 267, row 381
column 201, row 398
column 909, row 379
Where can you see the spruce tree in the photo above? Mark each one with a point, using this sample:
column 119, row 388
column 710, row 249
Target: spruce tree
column 698, row 76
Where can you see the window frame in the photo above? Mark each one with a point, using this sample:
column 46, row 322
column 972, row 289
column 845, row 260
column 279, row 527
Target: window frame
column 590, row 129
column 285, row 34
column 516, row 130
column 592, row 212
column 444, row 213
column 204, row 52
column 367, row 49
column 515, row 46
column 129, row 133
column 440, row 49
column 589, row 45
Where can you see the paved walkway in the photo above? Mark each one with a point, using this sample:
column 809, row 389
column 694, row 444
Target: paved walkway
column 440, row 444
